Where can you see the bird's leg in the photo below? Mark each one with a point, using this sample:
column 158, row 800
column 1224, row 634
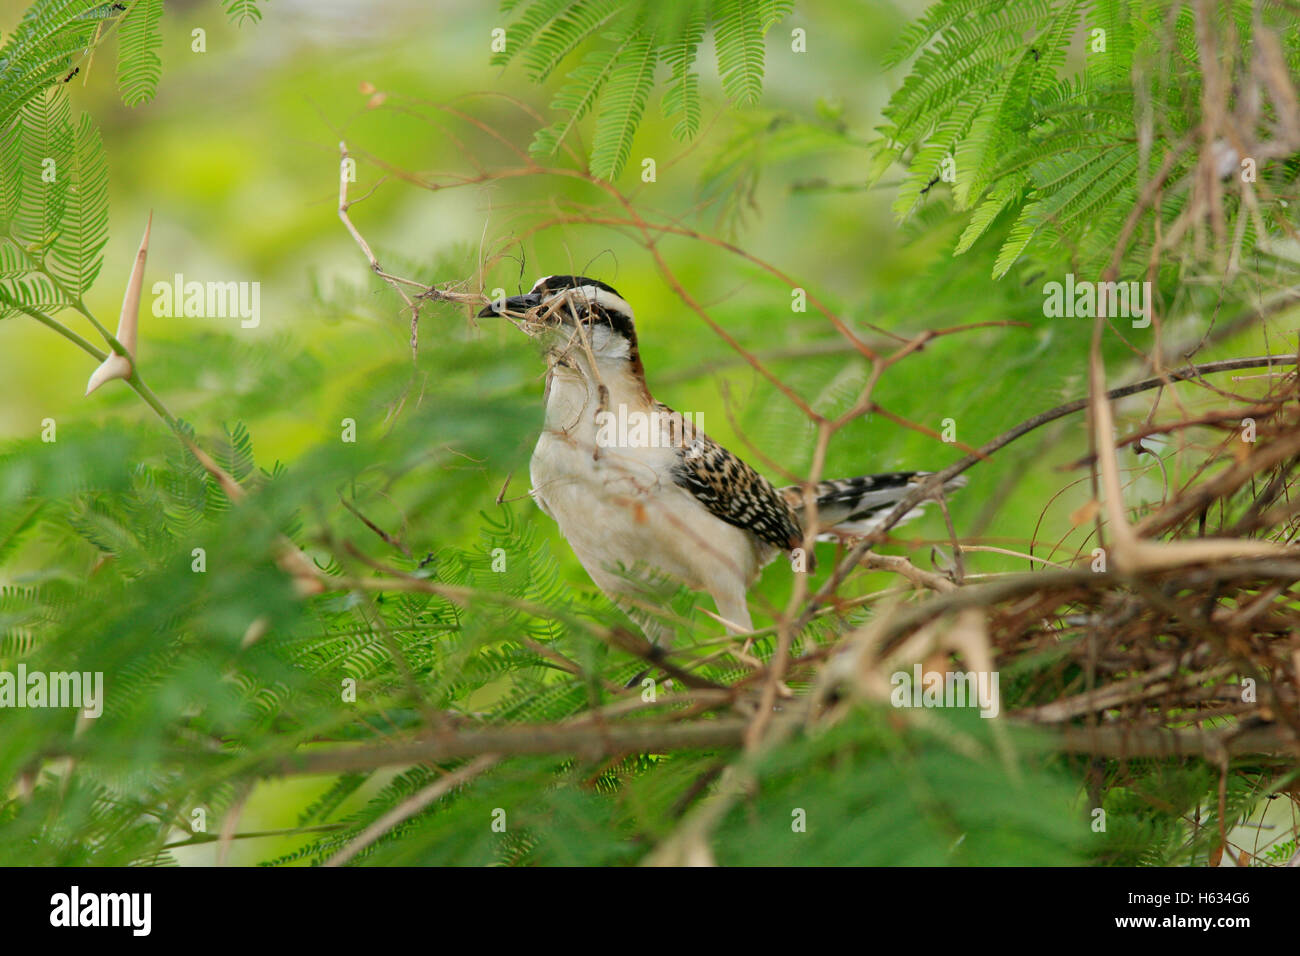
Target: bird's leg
column 733, row 611
column 656, row 632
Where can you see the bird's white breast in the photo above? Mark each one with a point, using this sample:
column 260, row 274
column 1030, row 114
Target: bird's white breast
column 618, row 504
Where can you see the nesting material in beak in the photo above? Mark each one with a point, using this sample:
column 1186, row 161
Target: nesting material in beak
column 515, row 303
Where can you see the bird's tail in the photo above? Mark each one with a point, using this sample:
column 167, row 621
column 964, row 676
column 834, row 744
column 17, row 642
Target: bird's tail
column 856, row 506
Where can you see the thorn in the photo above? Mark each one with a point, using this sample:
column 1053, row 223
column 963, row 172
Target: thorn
column 730, row 625
column 128, row 323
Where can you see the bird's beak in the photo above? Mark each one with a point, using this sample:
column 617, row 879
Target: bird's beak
column 516, row 303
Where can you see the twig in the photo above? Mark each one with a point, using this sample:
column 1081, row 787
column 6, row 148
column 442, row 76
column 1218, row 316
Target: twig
column 594, row 741
column 411, row 806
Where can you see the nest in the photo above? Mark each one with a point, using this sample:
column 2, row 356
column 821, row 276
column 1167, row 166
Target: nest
column 1179, row 634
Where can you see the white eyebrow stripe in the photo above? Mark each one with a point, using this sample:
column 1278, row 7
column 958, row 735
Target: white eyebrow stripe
column 601, row 297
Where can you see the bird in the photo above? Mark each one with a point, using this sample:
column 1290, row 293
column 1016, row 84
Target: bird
column 656, row 498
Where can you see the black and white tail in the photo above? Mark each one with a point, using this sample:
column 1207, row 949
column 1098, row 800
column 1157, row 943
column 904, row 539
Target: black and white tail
column 856, row 506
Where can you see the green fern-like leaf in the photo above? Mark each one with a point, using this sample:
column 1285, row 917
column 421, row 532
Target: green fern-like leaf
column 240, row 12
column 41, row 49
column 11, row 177
column 1078, row 185
column 39, row 155
column 139, row 66
column 54, row 36
column 739, row 34
column 621, row 108
column 28, row 294
column 520, row 34
column 682, row 98
column 579, row 94
column 772, row 12
column 48, row 146
column 936, row 19
column 577, row 23
column 55, row 212
column 1002, row 196
column 627, row 40
column 77, row 253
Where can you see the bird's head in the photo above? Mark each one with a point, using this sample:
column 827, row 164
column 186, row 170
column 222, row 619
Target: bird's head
column 578, row 311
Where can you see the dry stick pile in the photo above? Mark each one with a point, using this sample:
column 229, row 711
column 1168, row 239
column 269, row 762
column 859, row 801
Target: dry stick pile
column 1182, row 634
column 1177, row 638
